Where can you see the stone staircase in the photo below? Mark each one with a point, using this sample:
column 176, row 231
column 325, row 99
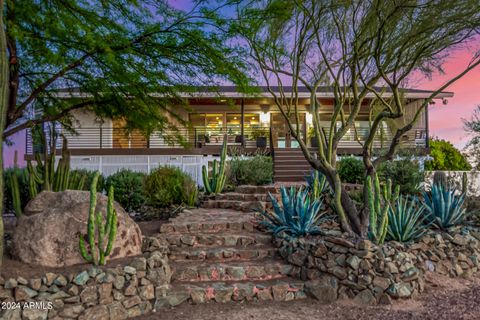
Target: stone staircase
column 218, row 255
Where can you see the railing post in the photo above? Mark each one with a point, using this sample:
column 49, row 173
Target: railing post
column 101, row 136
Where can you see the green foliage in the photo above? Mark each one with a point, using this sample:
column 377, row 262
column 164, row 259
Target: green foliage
column 404, row 173
column 166, row 186
column 317, row 184
column 107, row 231
column 445, row 206
column 257, row 170
column 129, row 188
column 16, row 189
column 81, row 179
column 299, row 215
column 446, row 157
column 351, row 170
column 405, row 220
column 380, row 200
column 215, row 182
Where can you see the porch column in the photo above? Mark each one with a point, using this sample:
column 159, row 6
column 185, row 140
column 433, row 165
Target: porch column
column 242, row 121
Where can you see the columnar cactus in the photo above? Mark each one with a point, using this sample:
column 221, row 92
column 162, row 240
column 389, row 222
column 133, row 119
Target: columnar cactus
column 216, row 182
column 380, row 199
column 15, row 193
column 464, row 183
column 105, row 231
column 440, row 179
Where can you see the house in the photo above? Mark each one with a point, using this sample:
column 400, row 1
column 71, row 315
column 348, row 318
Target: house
column 247, row 121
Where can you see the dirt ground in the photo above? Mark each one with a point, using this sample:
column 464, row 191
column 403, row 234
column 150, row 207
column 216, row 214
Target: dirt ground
column 443, row 299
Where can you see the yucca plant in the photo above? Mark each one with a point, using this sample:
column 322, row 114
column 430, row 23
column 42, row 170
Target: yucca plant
column 298, row 215
column 405, row 220
column 444, row 206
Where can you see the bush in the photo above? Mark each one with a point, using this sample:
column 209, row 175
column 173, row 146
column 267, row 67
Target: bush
column 166, row 186
column 257, row 170
column 404, row 173
column 351, row 170
column 446, row 157
column 128, row 186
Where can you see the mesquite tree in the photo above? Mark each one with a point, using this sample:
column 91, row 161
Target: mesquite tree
column 359, row 49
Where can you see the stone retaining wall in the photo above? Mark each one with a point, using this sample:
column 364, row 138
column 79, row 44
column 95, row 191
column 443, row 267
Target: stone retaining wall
column 336, row 268
column 96, row 293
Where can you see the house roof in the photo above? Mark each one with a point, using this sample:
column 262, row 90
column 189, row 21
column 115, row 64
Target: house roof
column 264, row 92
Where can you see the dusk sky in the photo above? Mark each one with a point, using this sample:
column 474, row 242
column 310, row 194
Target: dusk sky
column 445, row 120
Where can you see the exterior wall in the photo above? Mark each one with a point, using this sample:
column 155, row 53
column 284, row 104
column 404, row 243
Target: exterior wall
column 455, row 178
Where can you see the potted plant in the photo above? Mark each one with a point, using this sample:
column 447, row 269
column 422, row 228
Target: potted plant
column 259, row 134
column 313, row 139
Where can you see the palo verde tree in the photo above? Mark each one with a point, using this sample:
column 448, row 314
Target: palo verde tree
column 360, row 50
column 128, row 59
column 472, row 127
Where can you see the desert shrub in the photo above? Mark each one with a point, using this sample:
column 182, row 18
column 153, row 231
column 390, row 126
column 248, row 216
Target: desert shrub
column 351, row 170
column 128, row 186
column 257, row 170
column 166, row 186
column 446, row 157
column 22, row 178
column 405, row 173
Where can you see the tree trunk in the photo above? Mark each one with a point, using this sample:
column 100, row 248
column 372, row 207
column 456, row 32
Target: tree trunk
column 3, row 115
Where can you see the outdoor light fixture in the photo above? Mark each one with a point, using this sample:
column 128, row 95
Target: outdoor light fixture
column 264, row 117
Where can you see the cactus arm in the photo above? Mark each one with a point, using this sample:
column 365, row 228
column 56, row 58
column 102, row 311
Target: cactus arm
column 101, row 233
column 15, row 191
column 91, row 217
column 83, row 250
column 371, row 206
column 112, row 233
column 206, row 182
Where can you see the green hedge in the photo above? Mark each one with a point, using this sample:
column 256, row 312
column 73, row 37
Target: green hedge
column 128, row 188
column 257, row 170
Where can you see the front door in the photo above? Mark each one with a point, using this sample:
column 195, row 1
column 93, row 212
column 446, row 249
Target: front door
column 282, row 137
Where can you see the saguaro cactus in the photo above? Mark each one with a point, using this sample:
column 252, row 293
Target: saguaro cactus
column 216, row 182
column 379, row 201
column 105, row 231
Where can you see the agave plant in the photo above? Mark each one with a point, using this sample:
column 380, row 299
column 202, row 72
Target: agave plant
column 405, row 220
column 317, row 183
column 299, row 215
column 444, row 206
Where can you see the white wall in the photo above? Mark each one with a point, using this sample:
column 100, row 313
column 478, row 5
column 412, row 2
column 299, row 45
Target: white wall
column 455, row 177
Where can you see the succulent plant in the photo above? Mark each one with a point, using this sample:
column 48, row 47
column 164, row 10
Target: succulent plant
column 216, row 182
column 317, row 183
column 445, row 206
column 299, row 215
column 405, row 220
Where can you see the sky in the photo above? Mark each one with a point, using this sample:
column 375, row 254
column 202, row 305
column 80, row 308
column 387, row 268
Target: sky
column 445, row 120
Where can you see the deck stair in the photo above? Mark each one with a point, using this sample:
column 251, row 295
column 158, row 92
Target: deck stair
column 290, row 165
column 219, row 255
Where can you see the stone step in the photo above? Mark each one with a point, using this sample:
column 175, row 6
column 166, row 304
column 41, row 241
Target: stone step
column 236, row 196
column 246, row 189
column 243, row 239
column 244, row 206
column 285, row 289
column 264, row 269
column 220, row 254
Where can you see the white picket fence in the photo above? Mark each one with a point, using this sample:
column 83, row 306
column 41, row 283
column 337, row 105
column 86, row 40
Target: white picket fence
column 455, row 177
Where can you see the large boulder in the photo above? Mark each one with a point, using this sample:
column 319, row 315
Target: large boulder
column 47, row 233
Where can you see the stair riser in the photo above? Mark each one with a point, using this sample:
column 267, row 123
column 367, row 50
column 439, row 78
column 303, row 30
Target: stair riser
column 242, row 197
column 221, row 255
column 227, row 273
column 237, row 205
column 207, row 227
column 228, row 293
column 195, row 240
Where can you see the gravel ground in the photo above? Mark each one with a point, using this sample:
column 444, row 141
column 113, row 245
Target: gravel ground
column 443, row 299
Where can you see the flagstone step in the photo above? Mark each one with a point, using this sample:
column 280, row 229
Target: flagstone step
column 237, row 196
column 243, row 239
column 219, row 254
column 264, row 269
column 286, row 289
column 244, row 206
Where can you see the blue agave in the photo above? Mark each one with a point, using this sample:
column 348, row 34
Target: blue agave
column 405, row 220
column 444, row 206
column 299, row 215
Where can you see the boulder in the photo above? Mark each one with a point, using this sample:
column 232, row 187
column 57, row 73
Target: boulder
column 47, row 234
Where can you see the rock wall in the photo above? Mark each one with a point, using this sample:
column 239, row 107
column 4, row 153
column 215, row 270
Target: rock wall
column 96, row 293
column 337, row 268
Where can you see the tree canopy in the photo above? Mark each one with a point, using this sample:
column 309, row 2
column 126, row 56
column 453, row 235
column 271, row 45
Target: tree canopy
column 472, row 127
column 446, row 157
column 121, row 54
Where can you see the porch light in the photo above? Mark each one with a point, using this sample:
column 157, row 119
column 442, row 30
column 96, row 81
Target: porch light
column 264, row 117
column 309, row 118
